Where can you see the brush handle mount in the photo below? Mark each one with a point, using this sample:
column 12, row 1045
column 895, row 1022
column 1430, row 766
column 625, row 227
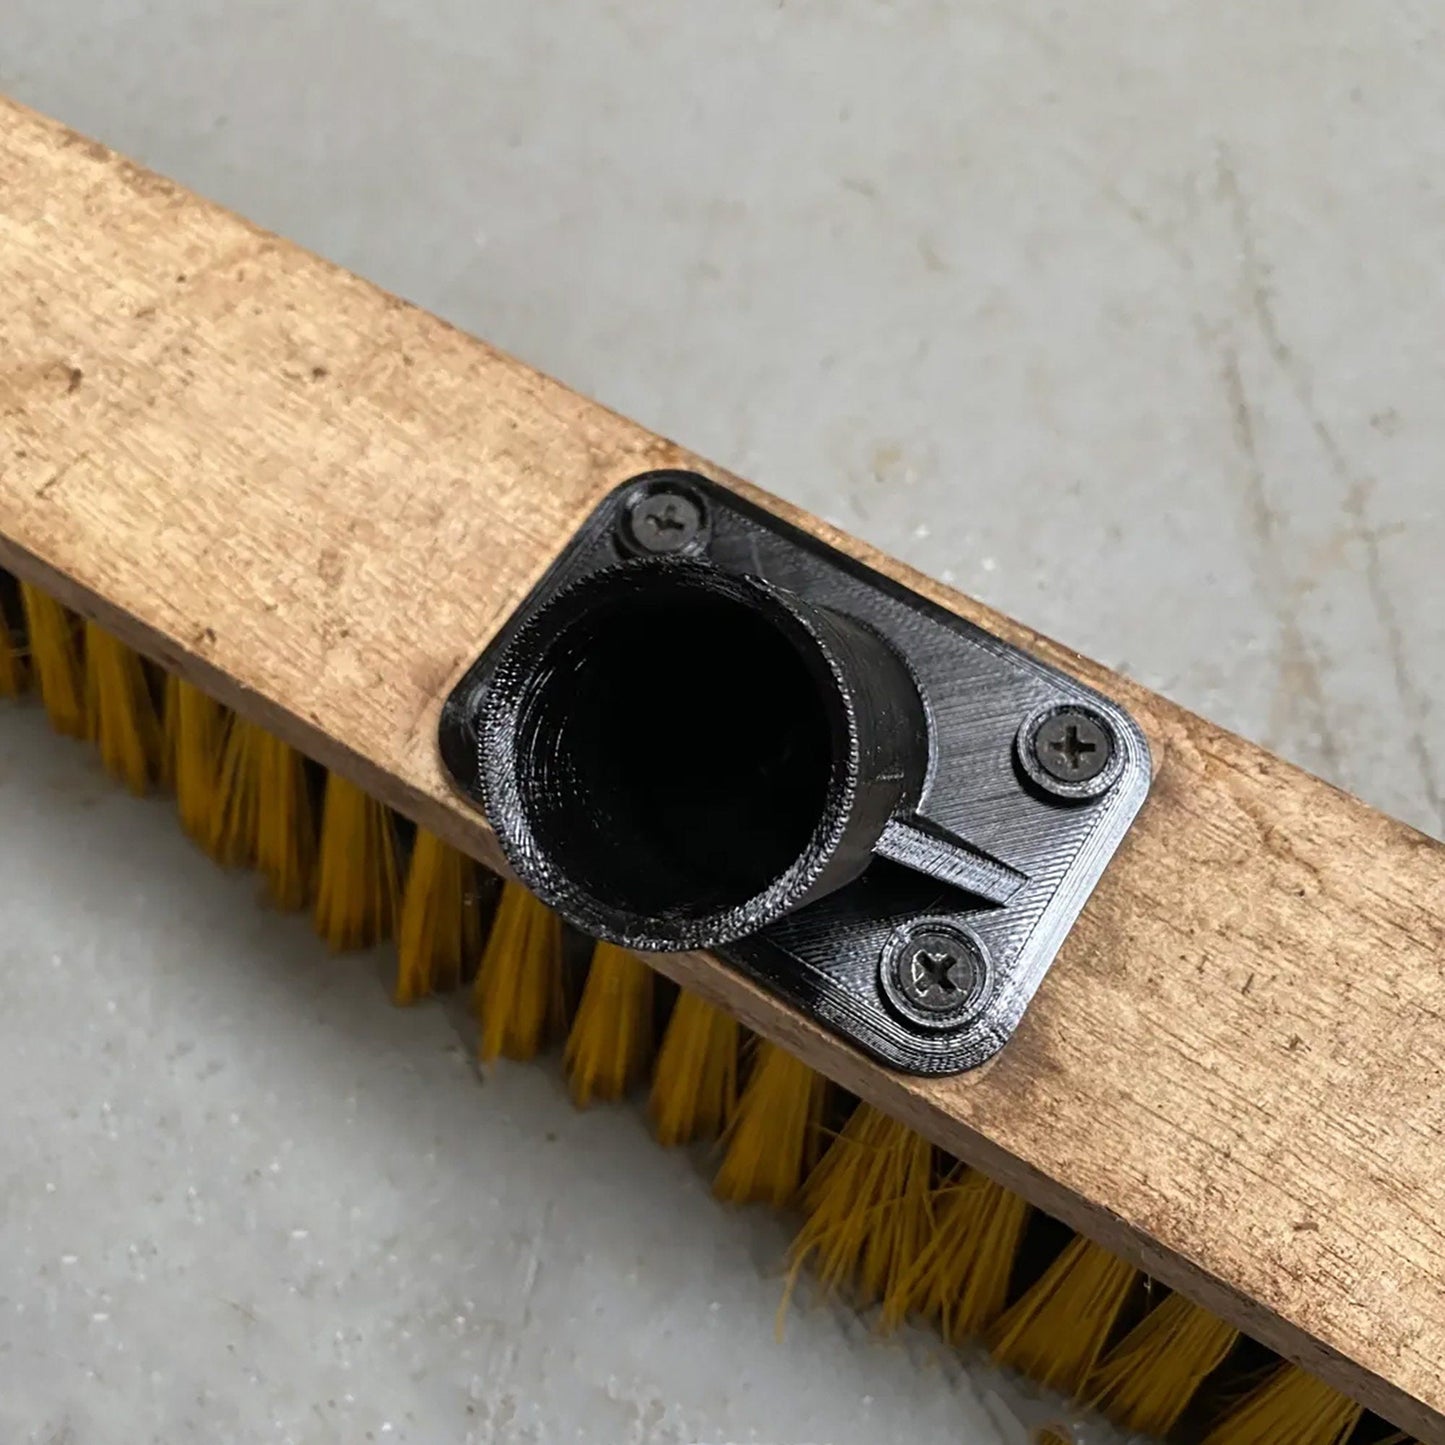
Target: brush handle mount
column 705, row 729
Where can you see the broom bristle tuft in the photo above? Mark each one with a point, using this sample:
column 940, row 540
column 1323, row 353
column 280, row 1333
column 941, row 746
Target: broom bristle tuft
column 286, row 844
column 356, row 877
column 609, row 1046
column 774, row 1137
column 960, row 1279
column 1148, row 1380
column 1056, row 1331
column 55, row 660
column 438, row 933
column 193, row 739
column 868, row 1207
column 1291, row 1407
column 120, row 715
column 518, row 993
column 695, row 1084
column 14, row 673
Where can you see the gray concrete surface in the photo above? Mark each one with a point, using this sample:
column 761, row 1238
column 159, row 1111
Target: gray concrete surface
column 1126, row 318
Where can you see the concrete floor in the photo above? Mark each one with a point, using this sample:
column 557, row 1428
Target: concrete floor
column 1127, row 320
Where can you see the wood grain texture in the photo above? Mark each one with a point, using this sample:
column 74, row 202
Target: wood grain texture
column 320, row 503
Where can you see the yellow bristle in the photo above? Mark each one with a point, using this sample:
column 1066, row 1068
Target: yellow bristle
column 55, row 660
column 438, row 932
column 356, row 885
column 901, row 1220
column 960, row 1279
column 231, row 838
column 194, row 736
column 1055, row 1435
column 120, row 716
column 869, row 1207
column 286, row 839
column 1289, row 1408
column 836, row 1202
column 695, row 1085
column 609, row 1046
column 773, row 1138
column 1148, row 1380
column 1057, row 1330
column 14, row 676
column 518, row 990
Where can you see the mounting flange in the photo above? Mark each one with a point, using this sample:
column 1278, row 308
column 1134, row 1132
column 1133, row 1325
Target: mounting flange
column 706, row 729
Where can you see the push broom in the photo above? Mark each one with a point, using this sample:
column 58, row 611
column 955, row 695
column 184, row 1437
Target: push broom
column 316, row 562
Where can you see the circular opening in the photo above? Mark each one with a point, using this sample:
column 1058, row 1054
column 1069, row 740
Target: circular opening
column 677, row 751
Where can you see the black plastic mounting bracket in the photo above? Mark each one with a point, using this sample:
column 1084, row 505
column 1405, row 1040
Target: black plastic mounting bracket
column 704, row 728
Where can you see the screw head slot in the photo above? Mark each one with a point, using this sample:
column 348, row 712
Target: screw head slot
column 662, row 516
column 936, row 973
column 1070, row 751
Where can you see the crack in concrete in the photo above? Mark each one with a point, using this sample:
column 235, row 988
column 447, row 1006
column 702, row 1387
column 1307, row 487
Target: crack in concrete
column 1299, row 668
column 1413, row 703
